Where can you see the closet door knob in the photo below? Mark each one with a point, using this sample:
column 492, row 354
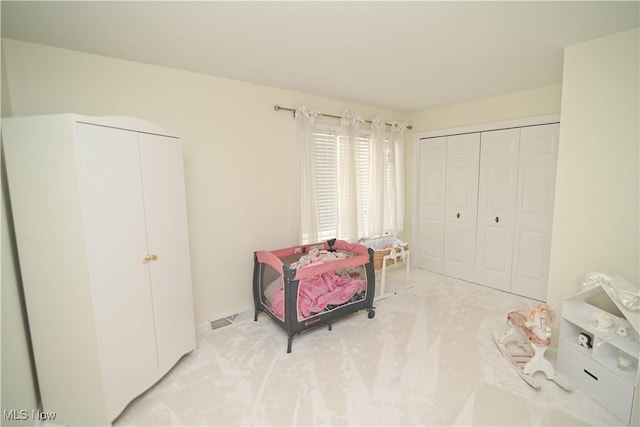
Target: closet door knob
column 458, row 215
column 497, row 219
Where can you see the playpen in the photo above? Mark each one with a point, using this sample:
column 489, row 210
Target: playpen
column 309, row 285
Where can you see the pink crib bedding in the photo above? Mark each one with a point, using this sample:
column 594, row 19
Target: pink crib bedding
column 316, row 293
column 327, row 278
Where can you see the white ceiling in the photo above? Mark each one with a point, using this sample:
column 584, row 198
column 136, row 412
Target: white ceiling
column 404, row 56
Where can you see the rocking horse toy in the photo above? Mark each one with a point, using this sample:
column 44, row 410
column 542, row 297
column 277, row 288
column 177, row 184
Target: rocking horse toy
column 532, row 334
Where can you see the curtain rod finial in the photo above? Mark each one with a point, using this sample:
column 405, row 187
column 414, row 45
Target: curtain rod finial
column 276, row 107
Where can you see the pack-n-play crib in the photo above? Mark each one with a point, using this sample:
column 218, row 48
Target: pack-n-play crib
column 309, row 285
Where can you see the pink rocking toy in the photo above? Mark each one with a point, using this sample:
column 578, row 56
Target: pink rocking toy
column 532, row 334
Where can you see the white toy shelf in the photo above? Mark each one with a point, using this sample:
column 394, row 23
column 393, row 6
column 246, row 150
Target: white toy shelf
column 599, row 350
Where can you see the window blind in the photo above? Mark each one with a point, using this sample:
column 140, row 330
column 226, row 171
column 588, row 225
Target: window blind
column 334, row 171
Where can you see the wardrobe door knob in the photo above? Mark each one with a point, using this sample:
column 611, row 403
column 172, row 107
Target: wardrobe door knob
column 458, row 215
column 497, row 219
column 150, row 257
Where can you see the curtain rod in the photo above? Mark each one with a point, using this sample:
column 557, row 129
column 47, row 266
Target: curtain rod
column 293, row 110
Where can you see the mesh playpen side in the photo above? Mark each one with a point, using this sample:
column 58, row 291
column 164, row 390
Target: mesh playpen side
column 309, row 285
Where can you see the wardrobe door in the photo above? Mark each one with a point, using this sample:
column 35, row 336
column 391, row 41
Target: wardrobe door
column 433, row 161
column 461, row 205
column 167, row 237
column 496, row 207
column 116, row 242
column 534, row 210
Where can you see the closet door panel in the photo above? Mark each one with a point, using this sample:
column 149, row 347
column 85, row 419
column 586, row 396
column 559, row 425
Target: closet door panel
column 496, row 207
column 494, row 254
column 536, row 191
column 457, row 249
column 461, row 205
column 167, row 236
column 116, row 243
column 433, row 158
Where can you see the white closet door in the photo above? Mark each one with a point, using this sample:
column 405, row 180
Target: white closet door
column 534, row 210
column 116, row 243
column 166, row 222
column 461, row 205
column 433, row 161
column 496, row 207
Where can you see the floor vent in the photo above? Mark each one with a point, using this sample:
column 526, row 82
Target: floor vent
column 225, row 321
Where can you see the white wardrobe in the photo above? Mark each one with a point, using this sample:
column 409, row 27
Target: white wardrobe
column 486, row 206
column 100, row 217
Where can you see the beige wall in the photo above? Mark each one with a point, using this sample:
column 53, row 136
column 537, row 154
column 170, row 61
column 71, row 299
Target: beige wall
column 597, row 216
column 239, row 153
column 18, row 390
column 529, row 103
column 18, row 383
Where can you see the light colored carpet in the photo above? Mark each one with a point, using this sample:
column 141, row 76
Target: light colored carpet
column 427, row 358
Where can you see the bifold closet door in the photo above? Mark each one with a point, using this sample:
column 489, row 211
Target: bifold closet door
column 116, row 243
column 167, row 237
column 534, row 210
column 432, row 187
column 461, row 205
column 496, row 207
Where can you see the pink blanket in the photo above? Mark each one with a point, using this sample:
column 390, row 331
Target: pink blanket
column 316, row 293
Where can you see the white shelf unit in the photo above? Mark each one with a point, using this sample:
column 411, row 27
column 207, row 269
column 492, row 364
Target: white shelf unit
column 608, row 370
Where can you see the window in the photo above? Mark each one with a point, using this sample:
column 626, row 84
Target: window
column 353, row 187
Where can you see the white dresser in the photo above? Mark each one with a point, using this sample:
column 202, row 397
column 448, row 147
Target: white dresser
column 100, row 218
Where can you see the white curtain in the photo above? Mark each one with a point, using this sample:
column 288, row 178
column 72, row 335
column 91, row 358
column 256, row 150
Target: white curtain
column 348, row 172
column 305, row 121
column 352, row 178
column 377, row 179
column 387, row 178
column 396, row 139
